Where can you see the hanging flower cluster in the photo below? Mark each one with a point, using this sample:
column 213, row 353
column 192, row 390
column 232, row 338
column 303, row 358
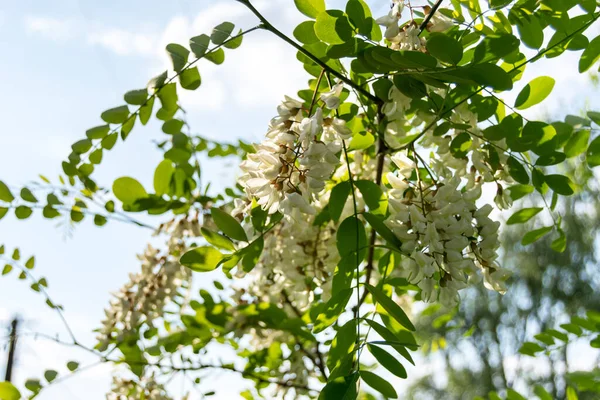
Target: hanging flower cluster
column 407, row 36
column 147, row 388
column 298, row 258
column 449, row 241
column 290, row 168
column 142, row 300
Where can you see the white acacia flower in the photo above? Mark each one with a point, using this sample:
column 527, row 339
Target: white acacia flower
column 409, row 39
column 503, row 199
column 439, row 23
column 391, row 20
column 295, row 200
column 332, row 97
column 339, row 126
column 428, row 291
column 405, row 165
column 496, row 279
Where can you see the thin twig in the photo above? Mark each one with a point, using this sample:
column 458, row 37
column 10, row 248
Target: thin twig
column 266, row 25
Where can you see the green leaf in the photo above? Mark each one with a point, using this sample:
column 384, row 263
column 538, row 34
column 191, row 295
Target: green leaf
column 305, row 33
column 3, row 212
column 535, row 92
column 560, row 184
column 136, row 97
column 97, row 132
column 28, row 196
column 523, row 215
column 460, row 145
column 72, row 365
column 342, row 345
column 221, row 32
column 530, row 348
column 128, row 126
column 217, row 240
column 551, row 159
column 310, row 8
column 513, row 395
column 100, row 220
column 590, row 55
column 216, row 56
column 390, row 306
column 494, row 47
column 49, row 212
column 190, row 79
column 81, row 146
column 560, row 244
column 373, row 196
column 535, row 235
column 252, row 254
column 388, row 361
column 173, row 126
column 531, row 31
column 360, row 15
column 341, row 388
column 444, row 48
column 33, row 385
column 594, row 116
column 199, row 45
column 379, row 384
column 109, row 141
column 23, row 212
column 542, row 393
column 517, row 171
column 162, row 177
column 337, row 199
column 5, row 193
column 50, row 375
column 333, row 27
column 128, row 190
column 407, row 59
column 178, row 55
column 30, row 264
column 382, row 229
column 9, row 392
column 116, row 115
column 332, row 310
column 361, row 141
column 351, row 237
column 146, row 111
column 202, row 259
column 592, row 155
column 157, row 82
column 228, row 225
column 235, row 41
column 489, row 75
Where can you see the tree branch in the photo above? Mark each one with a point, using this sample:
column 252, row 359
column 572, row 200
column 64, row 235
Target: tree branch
column 381, row 152
column 266, row 25
column 429, row 16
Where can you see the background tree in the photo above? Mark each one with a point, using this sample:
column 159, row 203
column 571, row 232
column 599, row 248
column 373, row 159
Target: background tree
column 547, row 290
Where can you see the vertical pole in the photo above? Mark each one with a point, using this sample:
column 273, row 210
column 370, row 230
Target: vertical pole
column 11, row 350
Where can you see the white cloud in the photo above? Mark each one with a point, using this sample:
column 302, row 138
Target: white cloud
column 123, row 42
column 258, row 73
column 51, row 28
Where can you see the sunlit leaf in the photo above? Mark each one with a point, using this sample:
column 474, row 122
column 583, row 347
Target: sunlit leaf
column 201, row 259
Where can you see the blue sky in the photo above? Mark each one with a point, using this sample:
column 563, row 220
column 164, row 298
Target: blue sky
column 68, row 60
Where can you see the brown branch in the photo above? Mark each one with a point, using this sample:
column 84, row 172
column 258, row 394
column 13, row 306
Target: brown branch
column 429, row 16
column 381, row 150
